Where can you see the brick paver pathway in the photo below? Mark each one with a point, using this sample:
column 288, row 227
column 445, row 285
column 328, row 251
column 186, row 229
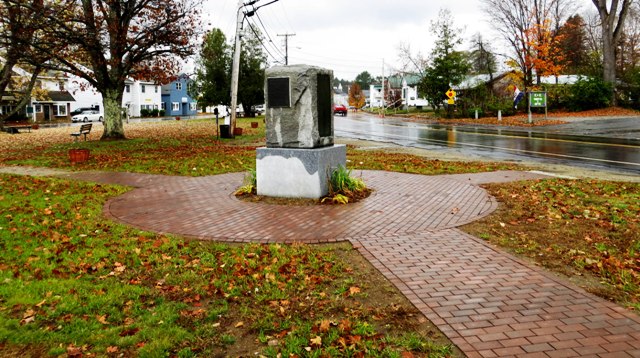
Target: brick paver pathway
column 487, row 302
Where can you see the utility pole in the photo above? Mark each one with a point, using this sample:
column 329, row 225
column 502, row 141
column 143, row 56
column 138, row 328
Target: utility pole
column 286, row 47
column 235, row 68
column 383, row 94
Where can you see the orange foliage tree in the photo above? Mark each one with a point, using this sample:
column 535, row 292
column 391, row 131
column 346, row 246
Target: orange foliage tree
column 546, row 56
column 356, row 96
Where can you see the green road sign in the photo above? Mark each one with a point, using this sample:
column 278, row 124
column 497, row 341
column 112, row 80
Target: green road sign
column 537, row 99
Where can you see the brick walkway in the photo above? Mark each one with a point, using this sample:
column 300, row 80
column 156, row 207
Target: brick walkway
column 487, row 302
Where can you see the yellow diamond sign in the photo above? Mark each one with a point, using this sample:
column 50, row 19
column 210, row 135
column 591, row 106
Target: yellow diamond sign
column 451, row 93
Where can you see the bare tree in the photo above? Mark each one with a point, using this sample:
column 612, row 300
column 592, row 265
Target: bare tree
column 482, row 58
column 612, row 19
column 628, row 50
column 517, row 20
column 411, row 62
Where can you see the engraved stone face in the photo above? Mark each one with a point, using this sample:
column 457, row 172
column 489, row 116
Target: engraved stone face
column 299, row 102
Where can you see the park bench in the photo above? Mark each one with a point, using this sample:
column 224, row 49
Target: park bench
column 16, row 129
column 85, row 129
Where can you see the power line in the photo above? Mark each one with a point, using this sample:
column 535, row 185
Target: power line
column 269, row 36
column 261, row 42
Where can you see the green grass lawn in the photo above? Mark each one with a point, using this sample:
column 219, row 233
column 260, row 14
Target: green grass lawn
column 75, row 283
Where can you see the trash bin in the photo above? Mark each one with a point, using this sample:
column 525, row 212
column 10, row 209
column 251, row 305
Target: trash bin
column 225, row 131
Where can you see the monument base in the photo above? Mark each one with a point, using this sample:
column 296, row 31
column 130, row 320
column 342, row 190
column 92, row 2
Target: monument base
column 297, row 173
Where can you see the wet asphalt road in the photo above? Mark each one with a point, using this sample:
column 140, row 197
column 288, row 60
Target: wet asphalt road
column 609, row 143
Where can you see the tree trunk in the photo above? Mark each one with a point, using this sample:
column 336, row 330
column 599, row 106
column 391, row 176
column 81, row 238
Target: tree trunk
column 608, row 58
column 113, row 126
column 612, row 21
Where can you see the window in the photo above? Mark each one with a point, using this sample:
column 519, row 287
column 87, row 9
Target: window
column 163, row 106
column 143, row 88
column 156, row 89
column 179, row 86
column 175, row 106
column 38, row 108
column 61, row 85
column 188, row 86
column 127, row 88
column 193, row 106
column 60, row 110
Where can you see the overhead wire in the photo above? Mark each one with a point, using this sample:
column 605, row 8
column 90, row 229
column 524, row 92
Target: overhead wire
column 269, row 36
column 262, row 43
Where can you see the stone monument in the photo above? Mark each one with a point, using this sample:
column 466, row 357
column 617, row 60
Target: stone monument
column 300, row 155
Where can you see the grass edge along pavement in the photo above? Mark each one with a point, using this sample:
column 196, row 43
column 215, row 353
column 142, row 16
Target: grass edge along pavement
column 409, row 167
column 585, row 230
column 65, row 275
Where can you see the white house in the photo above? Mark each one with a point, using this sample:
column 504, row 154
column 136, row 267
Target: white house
column 57, row 105
column 140, row 95
column 410, row 95
column 376, row 99
column 408, row 86
column 137, row 95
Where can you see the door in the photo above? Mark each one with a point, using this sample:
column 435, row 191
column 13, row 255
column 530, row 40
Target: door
column 47, row 112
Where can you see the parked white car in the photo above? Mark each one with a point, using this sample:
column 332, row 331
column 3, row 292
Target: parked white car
column 87, row 116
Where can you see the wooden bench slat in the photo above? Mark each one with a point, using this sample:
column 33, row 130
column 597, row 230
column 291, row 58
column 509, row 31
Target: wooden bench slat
column 85, row 129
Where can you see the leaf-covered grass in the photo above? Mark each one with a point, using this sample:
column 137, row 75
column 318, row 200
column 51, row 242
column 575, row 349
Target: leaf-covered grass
column 191, row 148
column 588, row 228
column 72, row 282
column 408, row 163
column 170, row 147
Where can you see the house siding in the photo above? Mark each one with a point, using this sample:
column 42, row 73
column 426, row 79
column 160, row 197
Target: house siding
column 176, row 98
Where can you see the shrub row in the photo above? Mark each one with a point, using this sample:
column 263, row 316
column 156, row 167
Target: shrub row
column 152, row 112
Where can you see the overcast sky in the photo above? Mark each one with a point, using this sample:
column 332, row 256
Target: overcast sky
column 355, row 35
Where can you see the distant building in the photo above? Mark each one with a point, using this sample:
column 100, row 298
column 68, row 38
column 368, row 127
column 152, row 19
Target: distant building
column 405, row 84
column 56, row 107
column 176, row 98
column 139, row 95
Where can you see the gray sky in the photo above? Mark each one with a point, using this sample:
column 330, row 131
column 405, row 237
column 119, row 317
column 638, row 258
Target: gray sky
column 352, row 36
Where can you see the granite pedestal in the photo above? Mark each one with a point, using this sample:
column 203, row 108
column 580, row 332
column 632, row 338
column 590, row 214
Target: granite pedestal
column 297, row 173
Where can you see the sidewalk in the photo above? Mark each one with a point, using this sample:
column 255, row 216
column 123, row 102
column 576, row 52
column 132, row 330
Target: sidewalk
column 487, row 302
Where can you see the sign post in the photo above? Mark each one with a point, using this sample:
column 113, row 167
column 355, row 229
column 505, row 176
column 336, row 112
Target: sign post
column 452, row 95
column 215, row 111
column 539, row 100
column 452, row 100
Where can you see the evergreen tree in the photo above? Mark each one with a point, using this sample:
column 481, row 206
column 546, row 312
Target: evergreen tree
column 573, row 45
column 213, row 70
column 253, row 61
column 364, row 80
column 447, row 66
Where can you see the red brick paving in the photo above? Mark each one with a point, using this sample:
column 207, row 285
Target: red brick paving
column 487, row 302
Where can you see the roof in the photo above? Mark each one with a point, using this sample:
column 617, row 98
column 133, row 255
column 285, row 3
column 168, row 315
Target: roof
column 562, row 79
column 476, row 80
column 61, row 96
column 412, row 79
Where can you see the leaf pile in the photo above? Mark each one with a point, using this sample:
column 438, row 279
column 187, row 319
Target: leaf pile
column 66, row 271
column 583, row 227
